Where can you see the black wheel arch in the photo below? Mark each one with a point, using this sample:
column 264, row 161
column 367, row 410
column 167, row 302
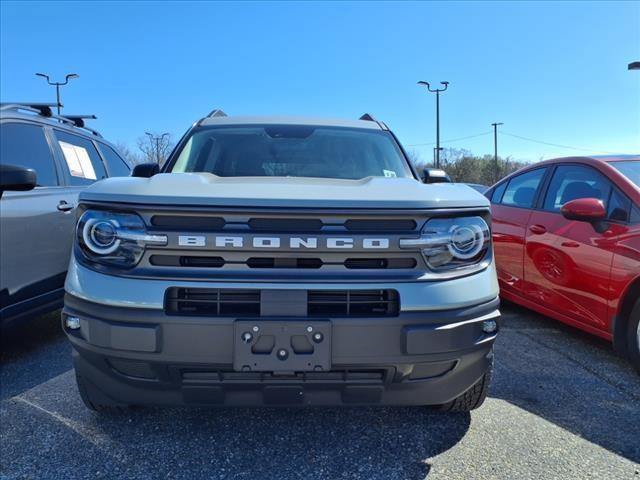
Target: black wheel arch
column 623, row 317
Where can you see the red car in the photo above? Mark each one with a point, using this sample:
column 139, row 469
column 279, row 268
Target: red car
column 566, row 235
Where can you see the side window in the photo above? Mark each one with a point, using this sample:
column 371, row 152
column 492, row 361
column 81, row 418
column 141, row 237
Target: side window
column 619, row 207
column 115, row 164
column 26, row 145
column 570, row 182
column 81, row 158
column 498, row 193
column 521, row 191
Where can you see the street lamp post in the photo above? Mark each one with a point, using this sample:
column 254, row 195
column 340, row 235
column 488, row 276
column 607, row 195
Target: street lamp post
column 495, row 148
column 68, row 77
column 434, row 154
column 437, row 92
column 157, row 139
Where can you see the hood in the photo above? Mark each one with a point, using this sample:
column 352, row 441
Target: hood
column 205, row 189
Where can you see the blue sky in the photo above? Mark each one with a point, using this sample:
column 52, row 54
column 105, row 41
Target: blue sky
column 554, row 72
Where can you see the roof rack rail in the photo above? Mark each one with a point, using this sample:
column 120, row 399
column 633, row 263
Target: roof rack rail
column 370, row 118
column 216, row 113
column 78, row 120
column 44, row 109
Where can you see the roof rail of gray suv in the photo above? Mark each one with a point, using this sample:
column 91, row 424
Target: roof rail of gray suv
column 216, row 112
column 45, row 110
column 370, row 118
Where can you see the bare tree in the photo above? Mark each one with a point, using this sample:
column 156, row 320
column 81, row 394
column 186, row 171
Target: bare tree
column 155, row 148
column 131, row 157
column 414, row 157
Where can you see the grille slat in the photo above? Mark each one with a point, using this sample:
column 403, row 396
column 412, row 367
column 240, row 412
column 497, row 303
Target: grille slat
column 188, row 222
column 247, row 303
column 193, row 261
column 203, row 223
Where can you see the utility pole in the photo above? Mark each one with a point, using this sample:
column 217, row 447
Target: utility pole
column 436, row 149
column 437, row 92
column 157, row 139
column 58, row 85
column 495, row 149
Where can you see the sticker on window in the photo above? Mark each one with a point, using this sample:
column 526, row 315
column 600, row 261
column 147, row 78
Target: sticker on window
column 78, row 161
column 389, row 173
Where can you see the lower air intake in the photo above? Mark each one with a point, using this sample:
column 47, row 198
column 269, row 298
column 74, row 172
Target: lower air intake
column 212, row 302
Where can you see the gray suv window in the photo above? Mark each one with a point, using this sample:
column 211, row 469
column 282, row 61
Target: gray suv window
column 26, row 145
column 115, row 164
column 81, row 159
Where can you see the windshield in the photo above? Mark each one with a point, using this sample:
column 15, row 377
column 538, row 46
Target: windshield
column 292, row 151
column 630, row 169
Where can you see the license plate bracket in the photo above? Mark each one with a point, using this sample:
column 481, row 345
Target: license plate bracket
column 282, row 346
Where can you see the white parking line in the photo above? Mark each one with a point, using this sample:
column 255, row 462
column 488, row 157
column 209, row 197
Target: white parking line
column 93, row 436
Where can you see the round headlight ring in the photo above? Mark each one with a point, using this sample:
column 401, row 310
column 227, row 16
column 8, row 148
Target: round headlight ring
column 95, row 240
column 466, row 241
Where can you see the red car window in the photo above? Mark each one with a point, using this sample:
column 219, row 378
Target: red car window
column 521, row 191
column 570, row 182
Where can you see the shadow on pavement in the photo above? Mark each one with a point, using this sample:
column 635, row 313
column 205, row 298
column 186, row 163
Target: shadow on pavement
column 569, row 378
column 383, row 443
column 31, row 353
column 301, row 443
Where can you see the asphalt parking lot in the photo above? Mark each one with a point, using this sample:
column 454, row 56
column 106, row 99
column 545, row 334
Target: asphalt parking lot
column 562, row 405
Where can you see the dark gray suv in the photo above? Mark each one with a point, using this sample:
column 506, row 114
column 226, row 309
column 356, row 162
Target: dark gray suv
column 45, row 161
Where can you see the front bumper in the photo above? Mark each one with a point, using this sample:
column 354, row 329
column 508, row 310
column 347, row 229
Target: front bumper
column 142, row 356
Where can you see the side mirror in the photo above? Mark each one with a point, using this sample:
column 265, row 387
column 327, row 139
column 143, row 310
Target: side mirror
column 145, row 170
column 584, row 210
column 16, row 178
column 435, row 175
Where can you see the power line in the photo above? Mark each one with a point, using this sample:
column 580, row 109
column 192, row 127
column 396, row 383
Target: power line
column 528, row 139
column 556, row 144
column 448, row 141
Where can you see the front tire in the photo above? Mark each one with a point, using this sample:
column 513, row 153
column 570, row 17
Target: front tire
column 472, row 398
column 633, row 336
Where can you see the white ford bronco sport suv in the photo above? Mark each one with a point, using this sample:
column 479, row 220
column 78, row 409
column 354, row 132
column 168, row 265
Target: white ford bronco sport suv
column 282, row 261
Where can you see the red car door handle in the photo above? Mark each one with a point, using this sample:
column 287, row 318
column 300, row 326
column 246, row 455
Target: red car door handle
column 570, row 244
column 537, row 229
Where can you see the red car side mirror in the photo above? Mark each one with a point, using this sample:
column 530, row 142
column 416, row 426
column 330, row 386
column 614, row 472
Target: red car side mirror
column 584, row 209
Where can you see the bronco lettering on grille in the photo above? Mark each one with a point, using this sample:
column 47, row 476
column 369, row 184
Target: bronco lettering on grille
column 338, row 243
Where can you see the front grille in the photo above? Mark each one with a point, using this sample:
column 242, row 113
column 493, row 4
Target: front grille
column 283, row 262
column 353, row 303
column 386, row 225
column 187, row 222
column 203, row 223
column 212, row 302
column 285, row 224
column 293, row 245
column 381, row 263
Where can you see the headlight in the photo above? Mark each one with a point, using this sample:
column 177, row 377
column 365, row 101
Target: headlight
column 453, row 246
column 114, row 238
